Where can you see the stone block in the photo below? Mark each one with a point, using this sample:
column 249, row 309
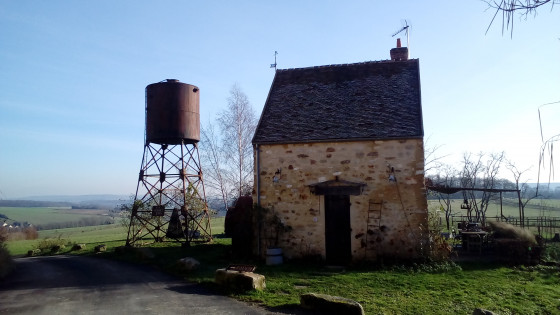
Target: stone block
column 239, row 280
column 188, row 264
column 33, row 252
column 327, row 304
column 57, row 248
column 79, row 246
column 480, row 311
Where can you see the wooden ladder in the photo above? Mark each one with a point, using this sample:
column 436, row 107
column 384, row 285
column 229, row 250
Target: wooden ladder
column 373, row 226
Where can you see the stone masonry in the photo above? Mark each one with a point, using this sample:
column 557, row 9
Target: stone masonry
column 388, row 218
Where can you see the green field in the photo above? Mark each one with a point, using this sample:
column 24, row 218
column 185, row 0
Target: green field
column 112, row 235
column 42, row 216
column 398, row 289
column 536, row 208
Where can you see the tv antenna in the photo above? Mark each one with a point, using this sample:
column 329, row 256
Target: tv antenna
column 274, row 64
column 404, row 29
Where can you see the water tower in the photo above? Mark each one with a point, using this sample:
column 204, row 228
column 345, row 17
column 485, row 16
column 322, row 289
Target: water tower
column 170, row 202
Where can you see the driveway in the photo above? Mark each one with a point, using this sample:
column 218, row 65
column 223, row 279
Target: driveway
column 89, row 285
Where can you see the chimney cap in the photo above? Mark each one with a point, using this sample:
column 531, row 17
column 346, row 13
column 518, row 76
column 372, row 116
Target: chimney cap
column 399, row 53
column 398, row 43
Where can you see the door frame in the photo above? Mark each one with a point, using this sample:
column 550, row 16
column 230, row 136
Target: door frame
column 338, row 229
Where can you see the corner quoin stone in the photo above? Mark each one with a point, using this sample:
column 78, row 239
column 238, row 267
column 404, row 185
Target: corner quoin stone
column 327, row 304
column 239, row 280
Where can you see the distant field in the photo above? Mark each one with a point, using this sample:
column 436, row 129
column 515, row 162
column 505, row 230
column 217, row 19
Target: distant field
column 536, row 208
column 43, row 216
column 113, row 235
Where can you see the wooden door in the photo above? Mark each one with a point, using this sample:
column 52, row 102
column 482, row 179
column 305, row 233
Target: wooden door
column 337, row 229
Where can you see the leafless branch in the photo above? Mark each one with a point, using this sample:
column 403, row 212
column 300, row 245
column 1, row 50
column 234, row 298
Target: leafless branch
column 431, row 158
column 508, row 8
column 216, row 176
column 238, row 123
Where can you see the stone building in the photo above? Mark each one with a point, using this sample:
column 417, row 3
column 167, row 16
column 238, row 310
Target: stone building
column 339, row 158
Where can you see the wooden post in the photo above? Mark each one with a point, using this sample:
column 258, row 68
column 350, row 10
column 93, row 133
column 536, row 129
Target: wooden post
column 521, row 217
column 501, row 206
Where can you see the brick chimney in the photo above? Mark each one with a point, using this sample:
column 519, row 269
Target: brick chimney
column 399, row 53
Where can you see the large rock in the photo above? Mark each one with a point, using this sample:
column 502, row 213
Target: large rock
column 239, row 280
column 33, row 252
column 57, row 248
column 188, row 264
column 327, row 304
column 142, row 253
column 100, row 248
column 79, row 247
column 481, row 311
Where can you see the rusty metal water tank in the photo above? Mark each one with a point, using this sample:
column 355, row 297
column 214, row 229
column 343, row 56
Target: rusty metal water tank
column 172, row 113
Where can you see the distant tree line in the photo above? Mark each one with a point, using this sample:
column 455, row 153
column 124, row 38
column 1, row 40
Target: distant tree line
column 33, row 203
column 19, row 233
column 37, row 204
column 89, row 221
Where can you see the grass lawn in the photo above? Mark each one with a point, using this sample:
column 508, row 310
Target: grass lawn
column 89, row 235
column 415, row 289
column 502, row 290
column 112, row 235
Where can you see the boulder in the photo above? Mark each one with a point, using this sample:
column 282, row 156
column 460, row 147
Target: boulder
column 33, row 252
column 100, row 248
column 327, row 304
column 144, row 253
column 121, row 250
column 240, row 280
column 481, row 311
column 79, row 246
column 57, row 248
column 188, row 264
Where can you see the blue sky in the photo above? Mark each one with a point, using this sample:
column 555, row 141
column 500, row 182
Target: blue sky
column 73, row 74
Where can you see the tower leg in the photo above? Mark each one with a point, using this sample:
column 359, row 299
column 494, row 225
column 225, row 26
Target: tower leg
column 170, row 202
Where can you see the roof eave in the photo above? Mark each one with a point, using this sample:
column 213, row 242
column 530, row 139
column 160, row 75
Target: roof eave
column 337, row 140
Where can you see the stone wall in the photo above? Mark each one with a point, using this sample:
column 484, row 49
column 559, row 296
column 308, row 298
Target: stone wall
column 385, row 219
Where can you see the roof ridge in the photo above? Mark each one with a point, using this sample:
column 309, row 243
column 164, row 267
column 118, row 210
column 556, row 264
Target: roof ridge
column 344, row 64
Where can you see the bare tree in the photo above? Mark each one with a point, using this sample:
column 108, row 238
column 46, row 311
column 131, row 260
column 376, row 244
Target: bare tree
column 432, row 160
column 547, row 149
column 469, row 179
column 523, row 191
column 238, row 123
column 446, row 177
column 480, row 173
column 489, row 181
column 508, row 8
column 216, row 175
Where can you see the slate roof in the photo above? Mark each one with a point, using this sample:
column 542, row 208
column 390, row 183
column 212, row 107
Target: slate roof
column 360, row 101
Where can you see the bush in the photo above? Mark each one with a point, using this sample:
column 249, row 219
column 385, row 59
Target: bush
column 52, row 244
column 433, row 246
column 6, row 263
column 552, row 252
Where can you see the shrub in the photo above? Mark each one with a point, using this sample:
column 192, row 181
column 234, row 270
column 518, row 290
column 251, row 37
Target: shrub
column 433, row 246
column 19, row 233
column 552, row 252
column 504, row 230
column 52, row 244
column 6, row 263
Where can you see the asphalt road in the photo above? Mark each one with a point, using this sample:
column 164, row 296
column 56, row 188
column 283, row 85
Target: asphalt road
column 89, row 285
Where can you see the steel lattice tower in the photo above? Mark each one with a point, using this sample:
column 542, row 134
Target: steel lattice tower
column 170, row 201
